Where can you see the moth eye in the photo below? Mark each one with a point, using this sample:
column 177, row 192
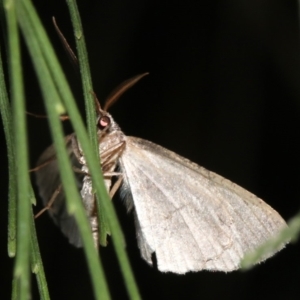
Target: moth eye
column 104, row 121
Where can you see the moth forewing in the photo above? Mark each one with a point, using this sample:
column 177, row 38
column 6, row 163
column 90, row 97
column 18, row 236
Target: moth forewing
column 193, row 219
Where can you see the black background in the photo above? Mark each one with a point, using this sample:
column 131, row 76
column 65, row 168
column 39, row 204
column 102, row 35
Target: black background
column 223, row 91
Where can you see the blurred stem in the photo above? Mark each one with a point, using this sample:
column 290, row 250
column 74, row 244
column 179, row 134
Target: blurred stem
column 12, row 187
column 287, row 234
column 37, row 263
column 22, row 270
column 90, row 109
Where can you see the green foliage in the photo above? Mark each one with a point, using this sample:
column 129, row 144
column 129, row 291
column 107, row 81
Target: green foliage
column 22, row 240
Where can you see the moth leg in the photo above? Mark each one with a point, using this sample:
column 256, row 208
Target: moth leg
column 116, row 186
column 105, row 175
column 77, row 170
column 52, row 157
column 51, row 201
column 109, row 156
column 76, row 150
column 111, row 174
column 42, row 165
column 116, row 149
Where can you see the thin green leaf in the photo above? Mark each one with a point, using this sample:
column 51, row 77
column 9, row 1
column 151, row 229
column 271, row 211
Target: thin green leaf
column 5, row 110
column 22, row 270
column 89, row 106
column 290, row 233
column 36, row 258
column 37, row 264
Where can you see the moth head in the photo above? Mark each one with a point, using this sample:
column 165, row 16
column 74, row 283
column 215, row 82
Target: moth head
column 105, row 123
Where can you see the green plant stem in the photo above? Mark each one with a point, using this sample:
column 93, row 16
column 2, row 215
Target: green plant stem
column 37, row 264
column 12, row 187
column 89, row 105
column 288, row 234
column 22, row 270
column 85, row 72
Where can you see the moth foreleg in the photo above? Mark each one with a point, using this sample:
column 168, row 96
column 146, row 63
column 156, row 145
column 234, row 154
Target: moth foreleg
column 116, row 186
column 109, row 156
column 51, row 201
column 76, row 149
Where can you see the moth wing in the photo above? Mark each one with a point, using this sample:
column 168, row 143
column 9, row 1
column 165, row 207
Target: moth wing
column 193, row 219
column 48, row 181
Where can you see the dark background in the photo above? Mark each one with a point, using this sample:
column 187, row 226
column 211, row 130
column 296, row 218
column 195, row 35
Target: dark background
column 223, row 91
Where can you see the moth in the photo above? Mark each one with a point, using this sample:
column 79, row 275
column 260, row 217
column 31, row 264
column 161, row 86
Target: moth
column 191, row 218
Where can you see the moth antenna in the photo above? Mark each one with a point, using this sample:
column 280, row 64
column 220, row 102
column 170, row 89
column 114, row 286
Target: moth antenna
column 36, row 115
column 67, row 47
column 97, row 103
column 121, row 89
column 62, row 118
